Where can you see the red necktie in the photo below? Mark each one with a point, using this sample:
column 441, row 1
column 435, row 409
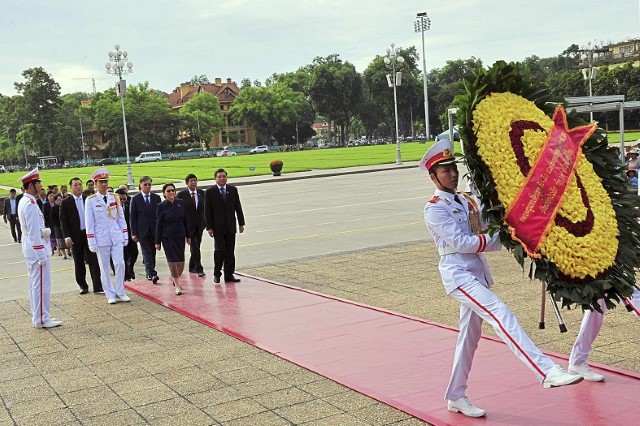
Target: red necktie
column 193, row 198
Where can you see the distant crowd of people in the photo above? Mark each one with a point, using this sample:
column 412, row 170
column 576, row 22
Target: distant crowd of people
column 100, row 228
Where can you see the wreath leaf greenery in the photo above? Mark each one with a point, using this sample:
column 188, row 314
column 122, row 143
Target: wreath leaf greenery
column 619, row 280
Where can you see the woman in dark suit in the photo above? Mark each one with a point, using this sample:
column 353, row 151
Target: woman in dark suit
column 47, row 208
column 172, row 230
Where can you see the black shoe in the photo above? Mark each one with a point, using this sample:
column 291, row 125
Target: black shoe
column 231, row 279
column 155, row 279
column 149, row 277
column 15, row 241
column 99, row 291
column 84, row 291
column 216, row 279
column 201, row 274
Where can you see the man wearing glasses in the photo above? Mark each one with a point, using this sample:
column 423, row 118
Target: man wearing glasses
column 107, row 233
column 142, row 216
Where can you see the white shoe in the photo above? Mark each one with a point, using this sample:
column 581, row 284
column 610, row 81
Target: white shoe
column 464, row 406
column 111, row 300
column 49, row 324
column 124, row 298
column 558, row 376
column 586, row 372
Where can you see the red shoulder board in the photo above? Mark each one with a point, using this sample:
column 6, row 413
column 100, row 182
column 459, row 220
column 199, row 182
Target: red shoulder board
column 434, row 199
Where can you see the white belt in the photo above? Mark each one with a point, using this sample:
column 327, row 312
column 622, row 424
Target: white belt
column 446, row 250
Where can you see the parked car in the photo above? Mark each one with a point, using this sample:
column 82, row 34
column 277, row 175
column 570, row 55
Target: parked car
column 148, row 156
column 225, row 153
column 259, row 149
column 66, row 165
column 106, row 162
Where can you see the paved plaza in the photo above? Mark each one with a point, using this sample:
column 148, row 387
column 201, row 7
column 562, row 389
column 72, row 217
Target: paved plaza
column 141, row 363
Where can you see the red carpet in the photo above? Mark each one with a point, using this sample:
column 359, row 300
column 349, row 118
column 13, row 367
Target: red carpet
column 402, row 361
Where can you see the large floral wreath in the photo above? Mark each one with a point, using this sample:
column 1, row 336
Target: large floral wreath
column 524, row 153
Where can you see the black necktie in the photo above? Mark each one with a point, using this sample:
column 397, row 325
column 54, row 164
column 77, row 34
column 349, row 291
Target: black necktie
column 105, row 199
column 456, row 199
column 223, row 193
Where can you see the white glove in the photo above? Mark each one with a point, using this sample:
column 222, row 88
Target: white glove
column 45, row 232
column 125, row 242
column 93, row 249
column 42, row 261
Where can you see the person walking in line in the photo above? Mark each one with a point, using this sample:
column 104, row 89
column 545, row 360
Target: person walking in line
column 107, row 233
column 454, row 220
column 221, row 208
column 74, row 232
column 143, row 225
column 36, row 249
column 131, row 249
column 172, row 230
column 47, row 209
column 11, row 213
column 193, row 200
column 56, row 231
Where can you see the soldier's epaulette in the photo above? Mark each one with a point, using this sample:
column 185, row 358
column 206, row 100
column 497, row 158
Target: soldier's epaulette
column 92, row 195
column 434, row 199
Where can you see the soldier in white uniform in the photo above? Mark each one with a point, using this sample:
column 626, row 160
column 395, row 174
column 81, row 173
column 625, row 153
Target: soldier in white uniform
column 589, row 329
column 106, row 235
column 36, row 250
column 454, row 220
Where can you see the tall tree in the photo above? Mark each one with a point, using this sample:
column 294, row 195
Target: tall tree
column 40, row 101
column 336, row 91
column 199, row 79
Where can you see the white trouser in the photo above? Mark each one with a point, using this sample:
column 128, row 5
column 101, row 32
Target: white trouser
column 39, row 290
column 478, row 303
column 590, row 327
column 105, row 254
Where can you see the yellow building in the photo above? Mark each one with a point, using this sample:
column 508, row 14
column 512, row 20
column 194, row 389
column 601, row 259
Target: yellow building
column 226, row 93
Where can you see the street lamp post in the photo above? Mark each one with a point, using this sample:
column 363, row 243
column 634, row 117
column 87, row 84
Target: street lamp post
column 116, row 66
column 422, row 24
column 394, row 61
column 590, row 72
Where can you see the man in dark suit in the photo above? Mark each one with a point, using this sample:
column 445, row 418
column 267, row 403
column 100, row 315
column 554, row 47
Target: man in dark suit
column 75, row 235
column 11, row 213
column 221, row 206
column 131, row 249
column 142, row 215
column 193, row 198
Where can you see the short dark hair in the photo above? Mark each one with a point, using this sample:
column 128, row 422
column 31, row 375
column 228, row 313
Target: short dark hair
column 143, row 178
column 220, row 171
column 89, row 180
column 12, row 191
column 74, row 178
column 189, row 177
column 166, row 185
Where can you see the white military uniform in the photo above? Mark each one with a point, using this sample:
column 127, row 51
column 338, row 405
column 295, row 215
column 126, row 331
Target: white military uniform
column 106, row 235
column 590, row 328
column 35, row 250
column 466, row 278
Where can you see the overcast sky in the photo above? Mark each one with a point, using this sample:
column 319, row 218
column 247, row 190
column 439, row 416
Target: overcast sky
column 169, row 41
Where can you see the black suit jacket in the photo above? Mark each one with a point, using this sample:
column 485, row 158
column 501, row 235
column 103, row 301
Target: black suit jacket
column 195, row 216
column 7, row 207
column 220, row 215
column 142, row 217
column 70, row 220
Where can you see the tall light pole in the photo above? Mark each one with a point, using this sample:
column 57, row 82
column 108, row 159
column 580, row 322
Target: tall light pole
column 590, row 72
column 116, row 66
column 422, row 24
column 84, row 153
column 394, row 61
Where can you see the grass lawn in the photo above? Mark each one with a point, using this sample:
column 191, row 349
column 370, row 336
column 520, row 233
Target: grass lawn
column 238, row 166
column 628, row 137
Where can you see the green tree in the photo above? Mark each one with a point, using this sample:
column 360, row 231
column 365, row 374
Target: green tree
column 151, row 125
column 40, row 101
column 336, row 91
column 202, row 117
column 199, row 79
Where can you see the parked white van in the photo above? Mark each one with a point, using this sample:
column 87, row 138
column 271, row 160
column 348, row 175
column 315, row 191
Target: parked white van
column 148, row 156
